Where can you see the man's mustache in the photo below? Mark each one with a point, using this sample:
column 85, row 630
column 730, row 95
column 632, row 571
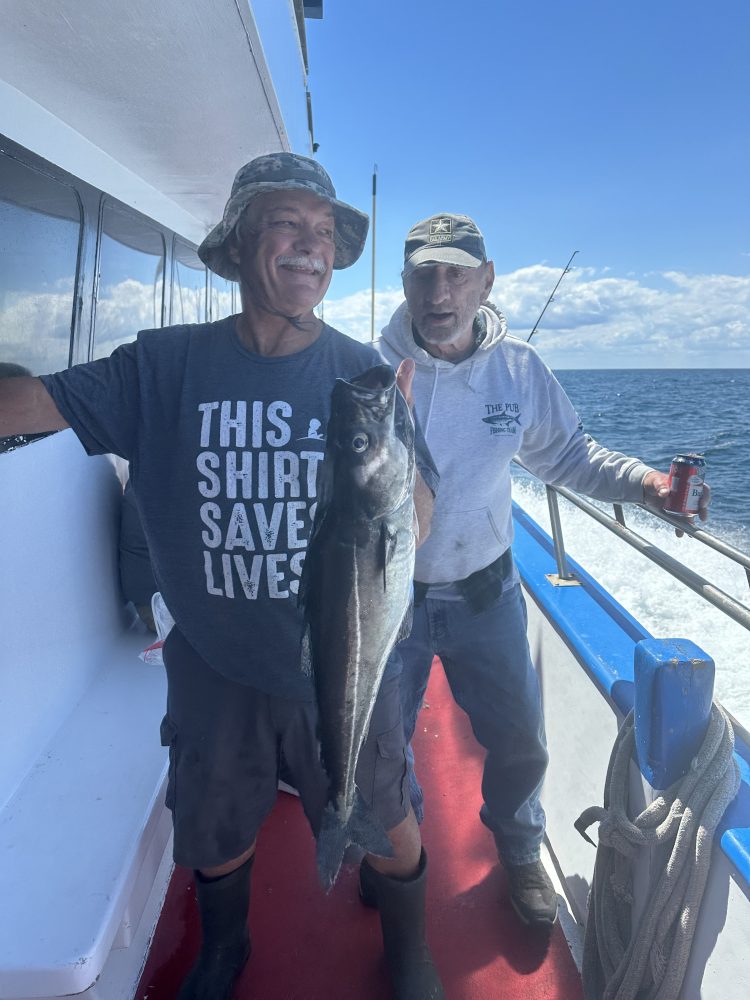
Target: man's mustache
column 316, row 264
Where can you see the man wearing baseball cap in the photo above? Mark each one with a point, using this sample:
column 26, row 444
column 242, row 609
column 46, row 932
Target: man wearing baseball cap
column 215, row 420
column 482, row 397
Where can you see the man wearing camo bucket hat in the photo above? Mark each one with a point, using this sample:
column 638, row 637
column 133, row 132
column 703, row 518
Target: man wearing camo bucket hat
column 273, row 174
column 223, row 423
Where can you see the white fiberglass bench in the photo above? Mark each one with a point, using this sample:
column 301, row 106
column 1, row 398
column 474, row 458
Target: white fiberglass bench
column 83, row 828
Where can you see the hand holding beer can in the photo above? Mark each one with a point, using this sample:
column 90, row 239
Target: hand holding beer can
column 686, row 476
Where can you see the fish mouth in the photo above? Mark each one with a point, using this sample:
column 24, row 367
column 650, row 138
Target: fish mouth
column 379, row 378
column 371, row 390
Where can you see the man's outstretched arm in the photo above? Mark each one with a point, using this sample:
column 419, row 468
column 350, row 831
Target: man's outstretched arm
column 27, row 408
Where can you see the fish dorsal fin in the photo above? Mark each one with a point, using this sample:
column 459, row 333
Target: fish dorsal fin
column 323, row 491
column 324, row 481
column 324, row 497
column 306, row 653
column 404, row 422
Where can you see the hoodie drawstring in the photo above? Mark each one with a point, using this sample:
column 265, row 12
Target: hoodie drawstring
column 436, row 372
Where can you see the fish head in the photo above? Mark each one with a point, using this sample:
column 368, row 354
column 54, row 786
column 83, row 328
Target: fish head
column 371, row 435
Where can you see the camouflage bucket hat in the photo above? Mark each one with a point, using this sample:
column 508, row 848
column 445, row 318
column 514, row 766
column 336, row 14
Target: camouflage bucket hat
column 277, row 172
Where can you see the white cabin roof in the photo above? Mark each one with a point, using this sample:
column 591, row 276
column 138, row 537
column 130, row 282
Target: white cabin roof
column 154, row 101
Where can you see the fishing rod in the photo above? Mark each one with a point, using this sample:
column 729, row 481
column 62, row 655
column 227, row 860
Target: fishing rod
column 372, row 295
column 552, row 295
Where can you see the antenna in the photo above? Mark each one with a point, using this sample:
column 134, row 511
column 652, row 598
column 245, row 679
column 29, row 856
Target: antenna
column 552, row 295
column 372, row 297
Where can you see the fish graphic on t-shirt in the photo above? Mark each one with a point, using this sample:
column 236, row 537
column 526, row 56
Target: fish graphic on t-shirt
column 502, row 419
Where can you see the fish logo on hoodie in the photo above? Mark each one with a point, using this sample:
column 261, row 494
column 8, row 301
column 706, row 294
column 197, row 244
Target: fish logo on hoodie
column 503, row 418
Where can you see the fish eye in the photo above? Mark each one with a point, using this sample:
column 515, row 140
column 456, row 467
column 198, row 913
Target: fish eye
column 360, row 442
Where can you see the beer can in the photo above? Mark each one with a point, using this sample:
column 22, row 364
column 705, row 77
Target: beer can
column 685, row 484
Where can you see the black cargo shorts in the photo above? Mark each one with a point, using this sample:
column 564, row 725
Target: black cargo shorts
column 225, row 741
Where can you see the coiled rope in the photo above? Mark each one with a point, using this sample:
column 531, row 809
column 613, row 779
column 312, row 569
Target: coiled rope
column 648, row 962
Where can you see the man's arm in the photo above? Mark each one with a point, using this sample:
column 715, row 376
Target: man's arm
column 27, row 408
column 560, row 453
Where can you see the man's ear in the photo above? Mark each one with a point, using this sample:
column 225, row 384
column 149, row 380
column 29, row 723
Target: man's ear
column 489, row 280
column 233, row 251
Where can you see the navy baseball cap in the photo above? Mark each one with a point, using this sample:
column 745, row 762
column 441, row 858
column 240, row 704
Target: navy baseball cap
column 444, row 239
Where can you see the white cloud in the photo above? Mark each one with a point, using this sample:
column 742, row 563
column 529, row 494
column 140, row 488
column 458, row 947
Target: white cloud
column 352, row 314
column 35, row 326
column 598, row 320
column 35, row 329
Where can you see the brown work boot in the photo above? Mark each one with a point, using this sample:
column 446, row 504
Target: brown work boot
column 532, row 894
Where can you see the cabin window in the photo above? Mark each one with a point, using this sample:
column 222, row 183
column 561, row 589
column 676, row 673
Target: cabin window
column 130, row 294
column 223, row 294
column 188, row 286
column 40, row 232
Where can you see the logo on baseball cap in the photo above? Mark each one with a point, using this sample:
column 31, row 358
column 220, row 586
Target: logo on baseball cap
column 444, row 239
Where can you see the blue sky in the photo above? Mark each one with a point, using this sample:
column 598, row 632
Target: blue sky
column 619, row 130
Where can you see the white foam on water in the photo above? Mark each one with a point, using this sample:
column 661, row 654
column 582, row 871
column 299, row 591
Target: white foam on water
column 663, row 605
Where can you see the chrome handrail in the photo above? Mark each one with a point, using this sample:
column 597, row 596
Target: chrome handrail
column 700, row 585
column 701, row 535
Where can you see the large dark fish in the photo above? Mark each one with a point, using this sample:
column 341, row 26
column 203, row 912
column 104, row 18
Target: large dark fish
column 356, row 590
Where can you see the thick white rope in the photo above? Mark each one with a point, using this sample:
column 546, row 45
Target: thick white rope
column 648, row 962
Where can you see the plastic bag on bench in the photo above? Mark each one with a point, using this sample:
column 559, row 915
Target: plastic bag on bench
column 164, row 622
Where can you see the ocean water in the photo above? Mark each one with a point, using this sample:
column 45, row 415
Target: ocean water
column 655, row 414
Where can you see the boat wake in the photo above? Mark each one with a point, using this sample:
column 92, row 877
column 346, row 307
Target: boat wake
column 661, row 604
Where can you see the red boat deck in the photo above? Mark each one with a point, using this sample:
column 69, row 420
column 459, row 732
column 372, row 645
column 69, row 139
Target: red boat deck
column 309, row 946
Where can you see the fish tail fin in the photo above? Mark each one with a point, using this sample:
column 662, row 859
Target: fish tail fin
column 366, row 830
column 332, row 843
column 363, row 829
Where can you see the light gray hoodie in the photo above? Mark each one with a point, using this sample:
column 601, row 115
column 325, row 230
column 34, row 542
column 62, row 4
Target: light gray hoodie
column 500, row 402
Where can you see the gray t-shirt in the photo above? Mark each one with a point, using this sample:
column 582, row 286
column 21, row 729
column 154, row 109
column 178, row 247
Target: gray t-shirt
column 224, row 448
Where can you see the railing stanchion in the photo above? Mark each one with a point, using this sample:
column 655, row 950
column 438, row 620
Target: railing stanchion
column 557, row 535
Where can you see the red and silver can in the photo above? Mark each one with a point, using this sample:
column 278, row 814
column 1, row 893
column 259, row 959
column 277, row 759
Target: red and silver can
column 685, row 484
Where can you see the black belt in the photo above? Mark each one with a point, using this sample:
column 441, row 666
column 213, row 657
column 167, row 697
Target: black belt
column 479, row 589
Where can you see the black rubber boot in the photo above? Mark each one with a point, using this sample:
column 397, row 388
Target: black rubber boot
column 401, row 905
column 223, row 905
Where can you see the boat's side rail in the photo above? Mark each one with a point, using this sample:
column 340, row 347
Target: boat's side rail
column 700, row 585
column 82, row 820
column 584, row 644
column 606, row 652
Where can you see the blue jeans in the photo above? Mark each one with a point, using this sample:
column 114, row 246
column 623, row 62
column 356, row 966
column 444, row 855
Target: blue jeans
column 488, row 665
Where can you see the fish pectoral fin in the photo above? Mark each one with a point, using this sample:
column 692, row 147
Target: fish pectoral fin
column 388, row 542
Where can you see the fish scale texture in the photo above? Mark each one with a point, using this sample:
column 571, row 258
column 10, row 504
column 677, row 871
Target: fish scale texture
column 309, row 946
